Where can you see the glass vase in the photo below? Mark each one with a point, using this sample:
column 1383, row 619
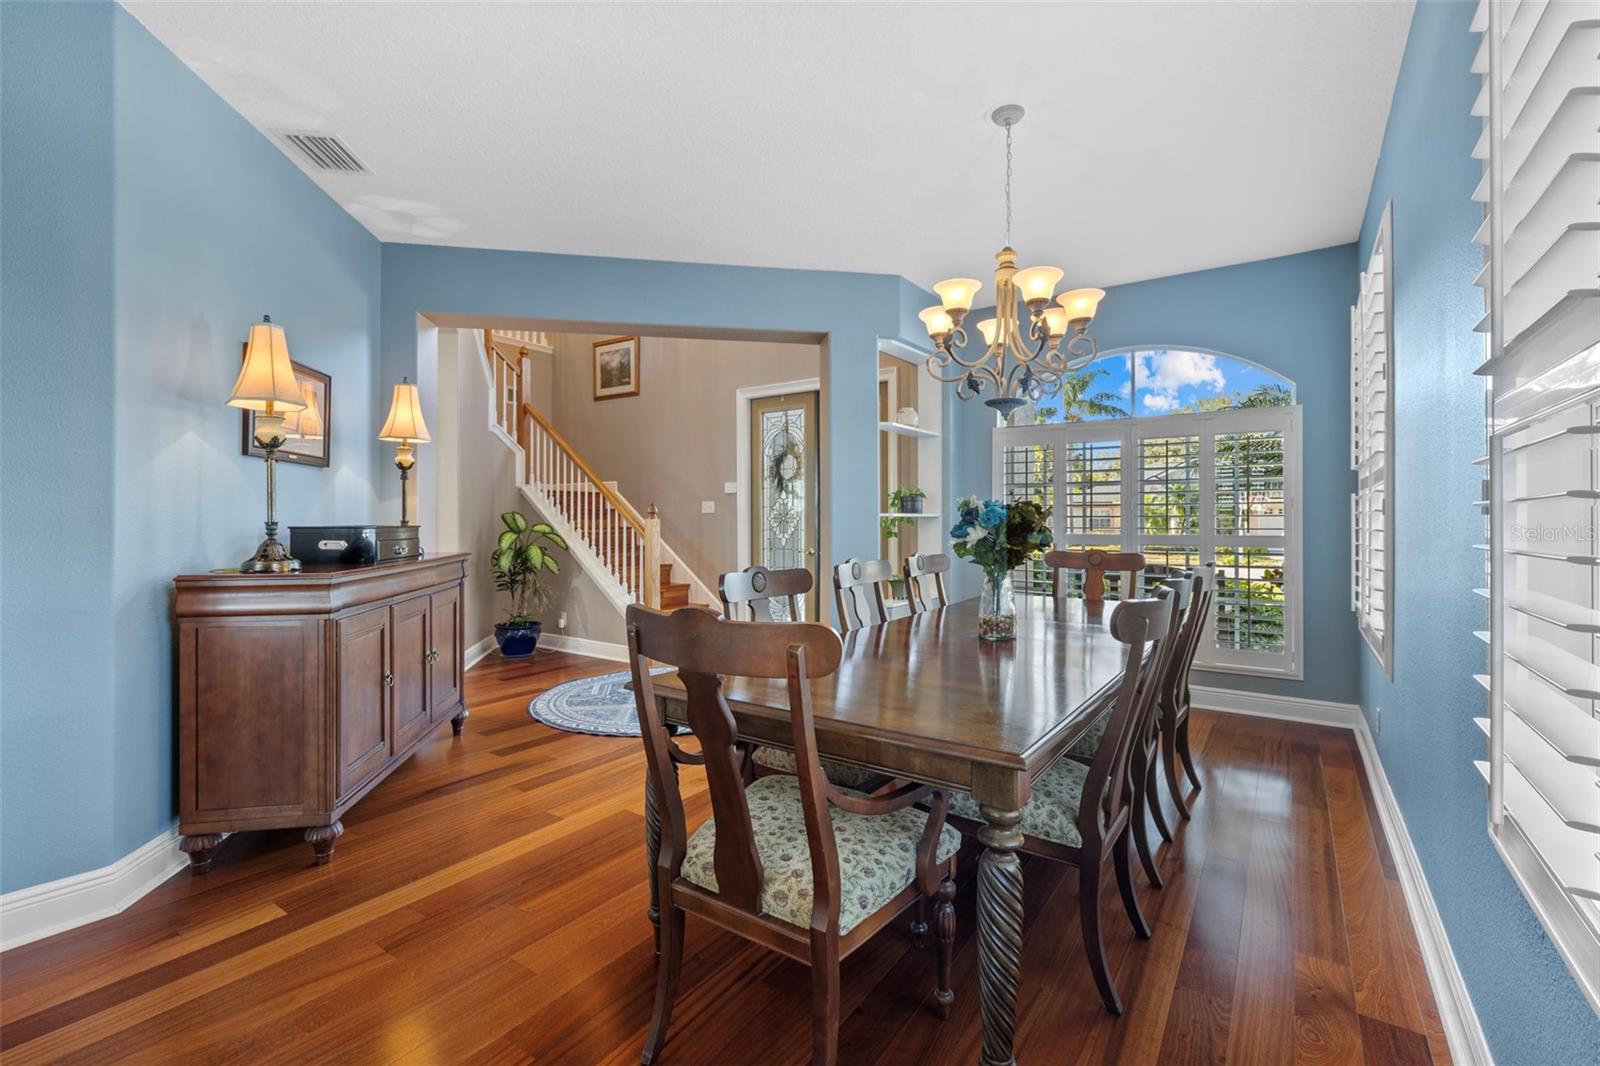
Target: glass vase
column 997, row 608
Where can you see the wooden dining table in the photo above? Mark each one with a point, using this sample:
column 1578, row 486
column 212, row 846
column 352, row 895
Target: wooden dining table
column 924, row 698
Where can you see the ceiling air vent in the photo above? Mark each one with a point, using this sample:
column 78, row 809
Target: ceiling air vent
column 324, row 152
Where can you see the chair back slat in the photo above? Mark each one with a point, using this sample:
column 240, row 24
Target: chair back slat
column 756, row 587
column 858, row 592
column 705, row 649
column 1095, row 564
column 1107, row 791
column 924, row 576
column 1175, row 691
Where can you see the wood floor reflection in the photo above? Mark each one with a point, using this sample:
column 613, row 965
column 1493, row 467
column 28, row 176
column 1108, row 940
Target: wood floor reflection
column 487, row 904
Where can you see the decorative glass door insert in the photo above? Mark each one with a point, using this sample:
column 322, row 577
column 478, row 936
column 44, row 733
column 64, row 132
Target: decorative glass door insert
column 784, row 526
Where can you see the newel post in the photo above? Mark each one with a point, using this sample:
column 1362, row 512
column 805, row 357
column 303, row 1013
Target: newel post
column 652, row 558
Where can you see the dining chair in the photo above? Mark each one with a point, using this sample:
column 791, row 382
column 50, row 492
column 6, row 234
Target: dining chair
column 756, row 588
column 858, row 592
column 1095, row 564
column 924, row 576
column 1080, row 813
column 1174, row 703
column 790, row 863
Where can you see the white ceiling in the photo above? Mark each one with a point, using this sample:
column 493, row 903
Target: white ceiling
column 1160, row 137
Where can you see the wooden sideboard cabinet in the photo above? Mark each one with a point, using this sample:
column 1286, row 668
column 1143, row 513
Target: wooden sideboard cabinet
column 298, row 693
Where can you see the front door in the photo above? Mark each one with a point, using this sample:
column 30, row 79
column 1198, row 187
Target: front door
column 784, row 516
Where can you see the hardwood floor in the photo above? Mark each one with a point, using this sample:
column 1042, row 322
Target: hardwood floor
column 487, row 904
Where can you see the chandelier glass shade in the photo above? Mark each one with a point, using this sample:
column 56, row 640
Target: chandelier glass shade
column 1018, row 364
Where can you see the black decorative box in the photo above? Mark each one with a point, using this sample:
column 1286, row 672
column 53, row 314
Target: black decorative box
column 354, row 545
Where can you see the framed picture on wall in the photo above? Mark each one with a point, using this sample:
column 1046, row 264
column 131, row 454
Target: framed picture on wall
column 616, row 368
column 310, row 430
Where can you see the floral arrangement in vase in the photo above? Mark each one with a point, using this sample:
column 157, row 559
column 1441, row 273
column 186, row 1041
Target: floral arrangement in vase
column 999, row 537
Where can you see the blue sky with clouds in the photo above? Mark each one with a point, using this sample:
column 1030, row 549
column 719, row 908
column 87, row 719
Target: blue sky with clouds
column 1170, row 379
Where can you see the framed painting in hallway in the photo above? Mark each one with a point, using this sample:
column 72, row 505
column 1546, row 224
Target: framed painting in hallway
column 616, row 368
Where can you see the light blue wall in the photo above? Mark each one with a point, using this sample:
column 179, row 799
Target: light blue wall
column 1529, row 1005
column 146, row 225
column 853, row 311
column 1290, row 315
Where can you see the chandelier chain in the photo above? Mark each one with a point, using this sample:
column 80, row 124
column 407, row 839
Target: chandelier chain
column 1008, row 184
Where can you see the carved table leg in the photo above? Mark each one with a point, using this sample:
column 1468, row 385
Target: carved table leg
column 999, row 932
column 652, row 851
column 321, row 838
column 200, row 848
column 457, row 722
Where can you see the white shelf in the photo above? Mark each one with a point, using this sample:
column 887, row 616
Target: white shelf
column 907, row 431
column 904, row 514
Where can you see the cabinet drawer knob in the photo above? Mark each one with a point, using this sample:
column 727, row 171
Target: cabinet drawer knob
column 388, row 679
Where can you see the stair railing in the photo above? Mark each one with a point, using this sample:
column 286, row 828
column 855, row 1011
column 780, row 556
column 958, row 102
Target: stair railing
column 627, row 543
column 507, row 372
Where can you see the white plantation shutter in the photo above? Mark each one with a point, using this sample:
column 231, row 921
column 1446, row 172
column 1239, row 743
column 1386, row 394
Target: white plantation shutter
column 1541, row 278
column 1371, row 426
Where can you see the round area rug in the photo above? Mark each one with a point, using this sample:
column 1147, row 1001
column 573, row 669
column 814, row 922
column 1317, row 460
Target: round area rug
column 601, row 705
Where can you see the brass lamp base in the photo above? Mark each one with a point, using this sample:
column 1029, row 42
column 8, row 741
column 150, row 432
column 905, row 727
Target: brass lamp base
column 271, row 557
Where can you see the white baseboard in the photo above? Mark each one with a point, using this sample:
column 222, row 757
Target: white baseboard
column 30, row 914
column 1289, row 708
column 1468, row 1046
column 597, row 649
column 479, row 651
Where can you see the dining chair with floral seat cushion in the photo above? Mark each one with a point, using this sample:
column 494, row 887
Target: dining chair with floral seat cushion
column 1080, row 813
column 1146, row 797
column 791, row 863
column 753, row 591
column 924, row 576
column 1095, row 564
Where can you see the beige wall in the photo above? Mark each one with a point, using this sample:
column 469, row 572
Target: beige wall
column 673, row 444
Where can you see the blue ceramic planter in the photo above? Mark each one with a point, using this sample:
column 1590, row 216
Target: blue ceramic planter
column 517, row 642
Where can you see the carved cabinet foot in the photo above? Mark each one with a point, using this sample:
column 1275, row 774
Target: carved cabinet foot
column 999, row 932
column 321, row 838
column 457, row 722
column 201, row 849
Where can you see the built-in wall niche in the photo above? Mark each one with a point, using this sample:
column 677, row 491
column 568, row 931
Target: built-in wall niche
column 910, row 421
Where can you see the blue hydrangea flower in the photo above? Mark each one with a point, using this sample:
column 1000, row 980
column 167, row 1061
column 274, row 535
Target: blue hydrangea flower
column 993, row 514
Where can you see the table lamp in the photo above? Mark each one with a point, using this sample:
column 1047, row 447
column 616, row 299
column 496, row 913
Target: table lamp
column 405, row 427
column 268, row 387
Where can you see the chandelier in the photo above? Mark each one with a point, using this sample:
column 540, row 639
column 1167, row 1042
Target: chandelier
column 1019, row 369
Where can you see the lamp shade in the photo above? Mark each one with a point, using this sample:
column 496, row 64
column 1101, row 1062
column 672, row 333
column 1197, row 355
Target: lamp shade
column 266, row 381
column 937, row 319
column 1081, row 304
column 306, row 424
column 1037, row 284
column 956, row 294
column 405, row 416
column 1056, row 319
column 987, row 327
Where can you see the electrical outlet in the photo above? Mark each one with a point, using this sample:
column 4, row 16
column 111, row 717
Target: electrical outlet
column 708, row 507
column 561, row 620
column 730, row 488
column 1377, row 721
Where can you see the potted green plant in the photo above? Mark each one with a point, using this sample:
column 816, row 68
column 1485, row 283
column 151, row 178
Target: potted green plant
column 522, row 557
column 901, row 502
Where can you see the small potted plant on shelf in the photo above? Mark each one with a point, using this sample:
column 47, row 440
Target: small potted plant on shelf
column 521, row 559
column 901, row 502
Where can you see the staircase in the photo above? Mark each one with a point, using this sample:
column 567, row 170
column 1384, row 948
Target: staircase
column 617, row 547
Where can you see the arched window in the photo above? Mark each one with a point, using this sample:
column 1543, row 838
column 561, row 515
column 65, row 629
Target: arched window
column 1147, row 382
column 1186, row 457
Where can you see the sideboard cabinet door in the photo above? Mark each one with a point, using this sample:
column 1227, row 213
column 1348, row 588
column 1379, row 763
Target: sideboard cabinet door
column 444, row 679
column 409, row 659
column 364, row 688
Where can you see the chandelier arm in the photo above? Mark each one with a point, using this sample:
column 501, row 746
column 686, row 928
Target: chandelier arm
column 959, row 359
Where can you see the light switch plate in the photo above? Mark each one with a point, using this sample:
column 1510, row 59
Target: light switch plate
column 730, row 488
column 708, row 507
